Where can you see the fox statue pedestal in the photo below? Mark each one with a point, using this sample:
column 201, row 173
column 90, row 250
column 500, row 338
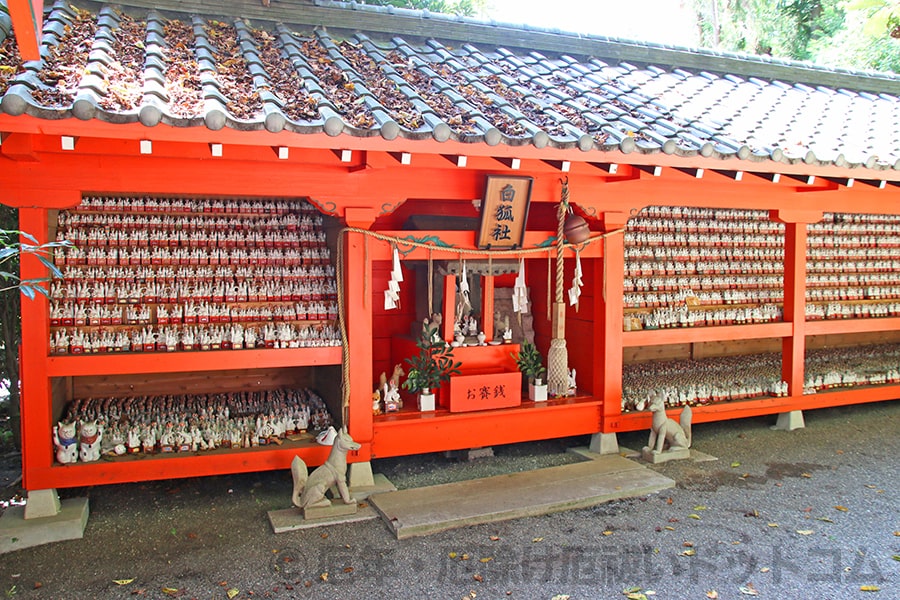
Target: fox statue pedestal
column 669, row 440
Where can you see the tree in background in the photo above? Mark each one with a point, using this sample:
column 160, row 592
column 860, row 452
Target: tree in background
column 857, row 34
column 466, row 8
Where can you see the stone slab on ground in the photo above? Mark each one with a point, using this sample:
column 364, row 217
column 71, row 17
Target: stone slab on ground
column 291, row 519
column 696, row 455
column 16, row 532
column 657, row 458
column 426, row 510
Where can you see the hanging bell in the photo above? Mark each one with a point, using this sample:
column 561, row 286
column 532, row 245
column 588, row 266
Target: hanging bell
column 576, row 229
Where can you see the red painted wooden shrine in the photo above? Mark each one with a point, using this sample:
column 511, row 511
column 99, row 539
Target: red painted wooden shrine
column 377, row 185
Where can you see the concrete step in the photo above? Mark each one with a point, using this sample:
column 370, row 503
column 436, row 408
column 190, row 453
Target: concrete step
column 426, row 510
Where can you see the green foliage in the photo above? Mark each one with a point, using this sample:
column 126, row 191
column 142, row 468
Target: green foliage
column 529, row 360
column 434, row 363
column 856, row 34
column 466, row 8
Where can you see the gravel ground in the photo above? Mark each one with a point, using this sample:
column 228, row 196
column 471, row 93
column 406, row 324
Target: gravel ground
column 807, row 514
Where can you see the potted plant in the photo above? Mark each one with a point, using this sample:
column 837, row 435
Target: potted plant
column 431, row 367
column 531, row 363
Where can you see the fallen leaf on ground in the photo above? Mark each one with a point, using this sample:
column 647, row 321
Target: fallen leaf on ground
column 805, row 475
column 537, row 539
column 453, row 555
column 669, row 528
column 607, row 532
column 486, row 559
column 688, row 544
column 749, row 590
column 897, row 533
column 669, row 500
column 896, row 557
column 561, row 597
column 495, row 538
column 465, row 557
column 324, row 576
column 805, row 531
column 825, row 519
column 477, row 577
column 869, row 588
column 752, row 513
column 689, row 552
column 765, row 570
column 700, row 507
column 348, row 569
column 773, row 524
column 712, row 595
column 172, row 591
column 123, row 581
column 735, row 465
column 841, row 508
column 232, row 592
column 694, row 516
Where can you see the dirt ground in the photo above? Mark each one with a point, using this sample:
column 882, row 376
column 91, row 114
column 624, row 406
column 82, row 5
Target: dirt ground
column 806, row 514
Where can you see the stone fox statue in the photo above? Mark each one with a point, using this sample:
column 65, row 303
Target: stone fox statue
column 665, row 433
column 309, row 490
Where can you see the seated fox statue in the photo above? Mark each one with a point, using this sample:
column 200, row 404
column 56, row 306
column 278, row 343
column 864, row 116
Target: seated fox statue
column 310, row 488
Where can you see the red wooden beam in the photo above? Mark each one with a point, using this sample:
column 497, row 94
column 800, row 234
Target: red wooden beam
column 28, row 21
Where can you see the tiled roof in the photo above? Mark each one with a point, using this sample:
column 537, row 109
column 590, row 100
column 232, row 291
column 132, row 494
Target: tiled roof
column 185, row 70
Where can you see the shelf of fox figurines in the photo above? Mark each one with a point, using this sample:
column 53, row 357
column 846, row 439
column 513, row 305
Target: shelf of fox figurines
column 853, row 261
column 160, row 275
column 694, row 267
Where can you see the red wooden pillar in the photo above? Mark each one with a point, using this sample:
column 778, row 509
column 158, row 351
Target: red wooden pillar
column 36, row 399
column 608, row 305
column 793, row 348
column 358, row 320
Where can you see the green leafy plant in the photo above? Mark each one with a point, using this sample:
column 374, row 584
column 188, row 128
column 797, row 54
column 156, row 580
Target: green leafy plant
column 433, row 365
column 11, row 249
column 529, row 361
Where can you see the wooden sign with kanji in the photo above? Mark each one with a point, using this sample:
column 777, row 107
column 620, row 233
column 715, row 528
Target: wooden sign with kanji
column 504, row 212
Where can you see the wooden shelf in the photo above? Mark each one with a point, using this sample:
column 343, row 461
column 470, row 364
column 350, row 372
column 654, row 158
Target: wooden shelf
column 174, row 362
column 768, row 405
column 395, row 433
column 682, row 335
column 862, row 325
column 142, row 467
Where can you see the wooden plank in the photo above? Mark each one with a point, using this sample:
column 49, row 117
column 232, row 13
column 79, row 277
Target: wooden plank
column 421, row 511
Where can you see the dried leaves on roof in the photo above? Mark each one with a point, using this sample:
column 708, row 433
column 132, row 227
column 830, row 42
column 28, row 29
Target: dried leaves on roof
column 482, row 101
column 336, row 84
column 385, row 89
column 455, row 117
column 65, row 62
column 296, row 103
column 10, row 62
column 182, row 74
column 234, row 77
column 124, row 74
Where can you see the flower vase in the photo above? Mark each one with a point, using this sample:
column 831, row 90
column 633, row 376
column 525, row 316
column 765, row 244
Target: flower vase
column 537, row 390
column 426, row 400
